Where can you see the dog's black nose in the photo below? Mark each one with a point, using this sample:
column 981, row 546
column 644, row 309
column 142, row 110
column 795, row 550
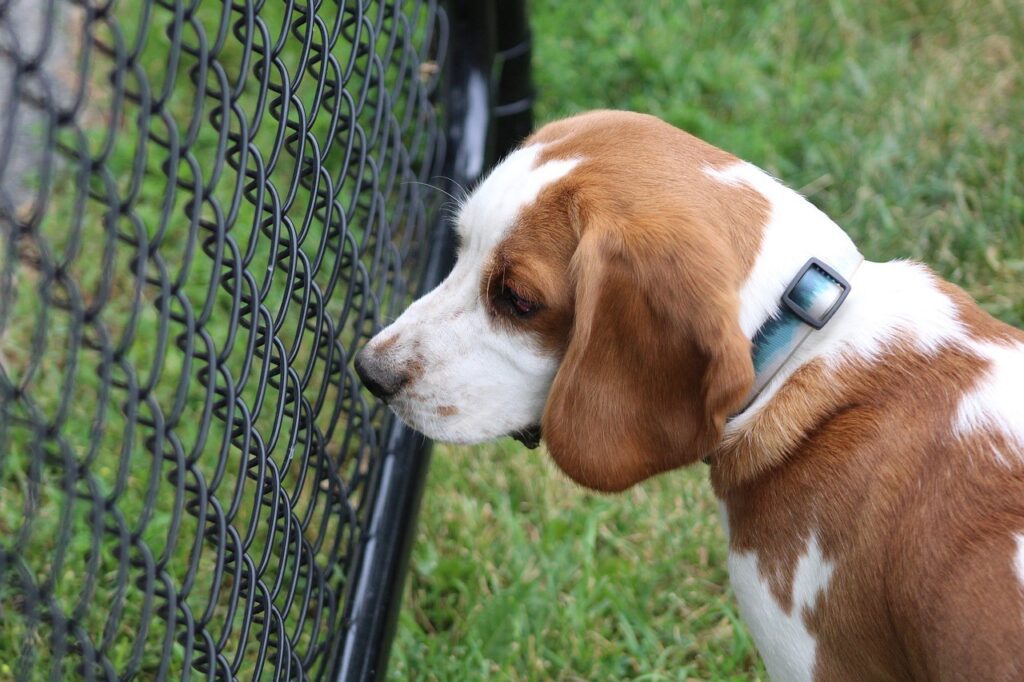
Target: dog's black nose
column 379, row 381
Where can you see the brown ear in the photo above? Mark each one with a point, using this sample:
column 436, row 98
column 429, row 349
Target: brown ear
column 656, row 359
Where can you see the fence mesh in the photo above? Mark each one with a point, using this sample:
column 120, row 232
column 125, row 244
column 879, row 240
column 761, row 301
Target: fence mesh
column 205, row 207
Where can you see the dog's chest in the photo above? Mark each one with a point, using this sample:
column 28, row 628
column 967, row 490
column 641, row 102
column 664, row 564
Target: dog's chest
column 779, row 629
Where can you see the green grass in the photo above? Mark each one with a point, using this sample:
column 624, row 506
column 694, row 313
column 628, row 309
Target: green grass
column 902, row 121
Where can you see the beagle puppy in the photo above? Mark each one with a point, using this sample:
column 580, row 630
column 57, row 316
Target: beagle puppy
column 646, row 301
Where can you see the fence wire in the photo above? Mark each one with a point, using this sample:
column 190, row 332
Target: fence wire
column 205, row 207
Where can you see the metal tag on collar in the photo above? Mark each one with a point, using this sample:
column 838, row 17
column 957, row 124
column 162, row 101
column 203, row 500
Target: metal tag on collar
column 803, row 298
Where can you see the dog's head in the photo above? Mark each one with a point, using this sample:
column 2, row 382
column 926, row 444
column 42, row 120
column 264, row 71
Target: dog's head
column 596, row 295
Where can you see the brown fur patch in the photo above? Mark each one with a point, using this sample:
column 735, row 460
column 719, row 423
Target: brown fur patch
column 636, row 261
column 535, row 260
column 414, row 369
column 641, row 164
column 387, row 344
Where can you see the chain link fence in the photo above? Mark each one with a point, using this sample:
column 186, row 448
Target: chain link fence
column 205, row 208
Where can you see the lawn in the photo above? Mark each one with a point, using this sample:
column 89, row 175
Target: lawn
column 901, row 120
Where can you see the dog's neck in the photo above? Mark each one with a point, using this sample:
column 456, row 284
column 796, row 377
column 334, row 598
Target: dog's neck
column 797, row 233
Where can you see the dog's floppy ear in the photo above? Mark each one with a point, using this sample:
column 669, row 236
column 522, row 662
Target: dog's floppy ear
column 656, row 359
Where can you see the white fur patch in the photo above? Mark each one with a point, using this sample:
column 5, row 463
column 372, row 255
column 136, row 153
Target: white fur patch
column 474, row 379
column 889, row 302
column 487, row 215
column 996, row 404
column 786, row 645
column 795, row 232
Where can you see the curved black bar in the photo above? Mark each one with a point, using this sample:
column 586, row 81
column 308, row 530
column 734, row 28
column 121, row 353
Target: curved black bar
column 377, row 594
column 485, row 119
column 514, row 108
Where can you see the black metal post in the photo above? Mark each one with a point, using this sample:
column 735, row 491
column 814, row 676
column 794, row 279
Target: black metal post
column 514, row 108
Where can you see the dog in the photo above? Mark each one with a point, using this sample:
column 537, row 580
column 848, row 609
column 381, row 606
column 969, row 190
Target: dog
column 644, row 301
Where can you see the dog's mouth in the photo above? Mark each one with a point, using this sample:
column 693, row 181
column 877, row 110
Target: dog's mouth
column 530, row 436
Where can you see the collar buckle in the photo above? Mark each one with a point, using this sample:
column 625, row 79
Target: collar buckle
column 805, row 298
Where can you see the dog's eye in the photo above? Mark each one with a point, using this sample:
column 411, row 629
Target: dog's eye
column 520, row 306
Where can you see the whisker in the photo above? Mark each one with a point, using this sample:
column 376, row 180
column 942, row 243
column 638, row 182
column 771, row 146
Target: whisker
column 463, row 190
column 434, row 187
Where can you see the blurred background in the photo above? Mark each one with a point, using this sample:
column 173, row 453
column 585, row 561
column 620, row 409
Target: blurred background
column 901, row 120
